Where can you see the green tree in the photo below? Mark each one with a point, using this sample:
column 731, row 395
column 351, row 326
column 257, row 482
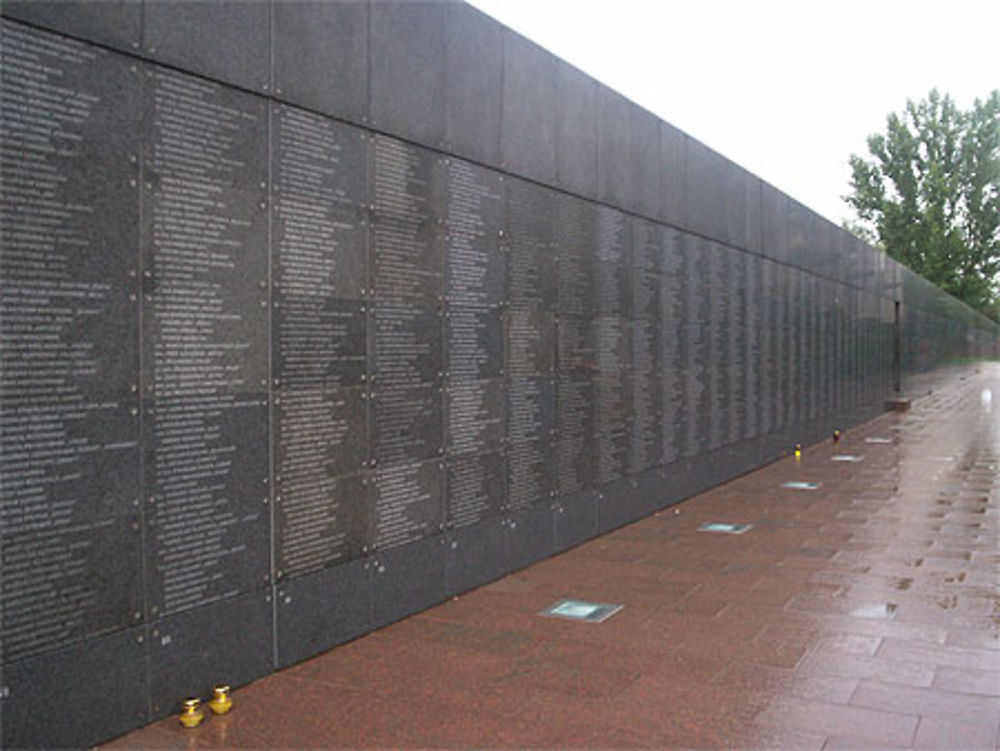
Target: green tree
column 930, row 195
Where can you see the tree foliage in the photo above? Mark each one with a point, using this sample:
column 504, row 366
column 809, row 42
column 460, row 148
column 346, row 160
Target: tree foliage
column 930, row 195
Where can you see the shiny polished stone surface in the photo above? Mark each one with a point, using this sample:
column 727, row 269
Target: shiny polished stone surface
column 861, row 615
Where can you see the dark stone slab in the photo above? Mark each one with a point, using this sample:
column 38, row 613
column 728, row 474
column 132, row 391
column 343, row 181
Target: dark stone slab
column 705, row 191
column 229, row 641
column 531, row 336
column 52, row 594
column 318, row 611
column 476, row 419
column 614, row 163
column 115, row 23
column 644, row 140
column 408, row 579
column 673, row 175
column 736, row 212
column 575, row 519
column 204, row 324
column 409, row 503
column 320, row 197
column 474, row 343
column 206, row 455
column 529, row 236
column 320, row 52
column 528, row 122
column 406, row 422
column 227, row 40
column 100, row 687
column 475, row 556
column 474, row 83
column 530, row 472
column 530, row 536
column 407, row 346
column 575, row 445
column 774, row 223
column 477, row 485
column 320, row 520
column 318, row 342
column 531, row 408
column 70, row 219
column 576, row 130
column 408, row 69
column 475, row 267
column 318, row 434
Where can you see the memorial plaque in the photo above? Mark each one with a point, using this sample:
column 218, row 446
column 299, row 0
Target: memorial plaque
column 647, row 270
column 100, row 685
column 530, row 472
column 51, row 596
column 576, row 130
column 576, row 353
column 230, row 640
column 320, row 519
column 530, row 245
column 69, row 334
column 406, row 344
column 577, row 257
column 530, row 408
column 309, row 40
column 407, row 233
column 227, row 40
column 320, row 223
column 614, row 166
column 206, row 453
column 613, row 263
column 474, row 342
column 737, row 336
column 476, row 487
column 531, row 336
column 408, row 69
column 646, row 391
column 576, row 451
column 476, row 415
column 474, row 83
column 205, row 341
column 613, row 449
column 408, row 579
column 407, row 422
column 611, row 343
column 475, row 556
column 409, row 502
column 318, row 342
column 528, row 120
column 475, row 269
column 317, row 611
column 754, row 363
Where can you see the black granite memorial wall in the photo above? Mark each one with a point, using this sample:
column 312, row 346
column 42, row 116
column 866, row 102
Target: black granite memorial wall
column 316, row 313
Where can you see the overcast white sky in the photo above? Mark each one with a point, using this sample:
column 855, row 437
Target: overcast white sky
column 786, row 89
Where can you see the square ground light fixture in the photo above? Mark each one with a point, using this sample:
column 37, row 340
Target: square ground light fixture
column 581, row 610
column 877, row 439
column 796, row 485
column 725, row 528
column 846, row 458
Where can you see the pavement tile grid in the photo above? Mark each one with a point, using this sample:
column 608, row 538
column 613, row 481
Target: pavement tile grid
column 864, row 614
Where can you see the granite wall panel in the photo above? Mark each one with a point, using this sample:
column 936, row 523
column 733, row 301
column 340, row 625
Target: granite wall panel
column 429, row 307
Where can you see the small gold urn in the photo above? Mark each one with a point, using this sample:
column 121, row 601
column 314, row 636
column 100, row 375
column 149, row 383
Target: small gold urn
column 191, row 713
column 221, row 702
